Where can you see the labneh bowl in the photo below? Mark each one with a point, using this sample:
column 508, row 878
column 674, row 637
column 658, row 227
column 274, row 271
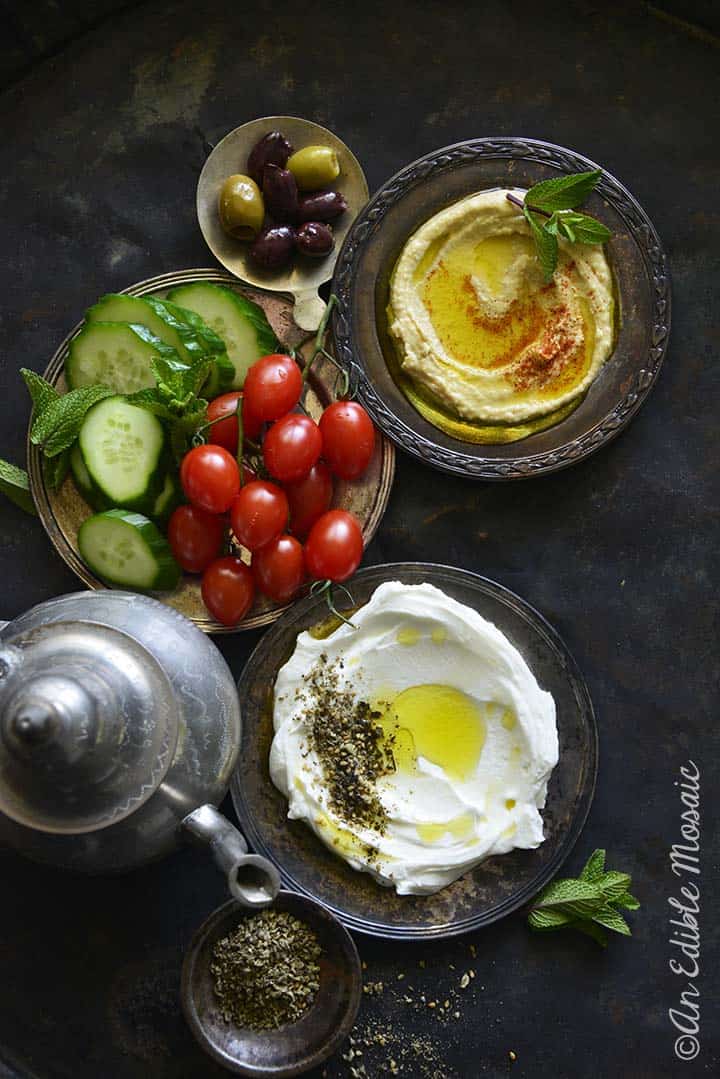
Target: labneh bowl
column 431, row 184
column 496, row 887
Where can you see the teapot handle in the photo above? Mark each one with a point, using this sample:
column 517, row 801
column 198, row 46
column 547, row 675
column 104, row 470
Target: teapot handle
column 252, row 879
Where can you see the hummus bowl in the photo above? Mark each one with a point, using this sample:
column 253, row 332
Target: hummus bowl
column 500, row 884
column 476, row 430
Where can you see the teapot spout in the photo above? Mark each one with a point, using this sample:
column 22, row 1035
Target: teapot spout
column 252, row 879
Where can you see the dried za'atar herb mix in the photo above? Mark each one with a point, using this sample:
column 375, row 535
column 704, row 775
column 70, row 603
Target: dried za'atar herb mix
column 266, row 972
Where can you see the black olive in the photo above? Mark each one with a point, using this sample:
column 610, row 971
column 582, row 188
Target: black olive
column 315, row 239
column 273, row 247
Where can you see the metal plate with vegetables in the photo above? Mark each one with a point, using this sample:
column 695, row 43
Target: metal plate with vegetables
column 112, row 339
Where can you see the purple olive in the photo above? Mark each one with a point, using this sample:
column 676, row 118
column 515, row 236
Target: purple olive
column 273, row 149
column 280, row 193
column 315, row 239
column 322, row 206
column 273, row 247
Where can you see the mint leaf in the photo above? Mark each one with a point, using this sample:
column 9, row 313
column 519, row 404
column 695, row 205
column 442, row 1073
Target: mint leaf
column 587, row 903
column 58, row 424
column 628, row 901
column 151, row 401
column 594, row 867
column 179, row 382
column 56, row 469
column 614, row 885
column 612, row 919
column 570, row 891
column 15, row 483
column 579, row 228
column 184, row 427
column 562, row 192
column 592, row 930
column 545, row 920
column 42, row 392
column 546, row 244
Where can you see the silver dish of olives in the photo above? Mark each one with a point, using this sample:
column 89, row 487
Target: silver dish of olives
column 275, row 200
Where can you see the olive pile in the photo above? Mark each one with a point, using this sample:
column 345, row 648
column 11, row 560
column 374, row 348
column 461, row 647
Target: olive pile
column 288, row 187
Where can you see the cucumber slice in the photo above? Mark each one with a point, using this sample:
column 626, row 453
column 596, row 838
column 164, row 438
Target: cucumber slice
column 150, row 312
column 80, row 474
column 209, row 338
column 84, row 483
column 222, row 373
column 122, row 447
column 117, row 354
column 240, row 323
column 127, row 549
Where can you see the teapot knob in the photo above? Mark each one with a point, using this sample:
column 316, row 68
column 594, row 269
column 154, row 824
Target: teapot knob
column 33, row 724
column 50, row 711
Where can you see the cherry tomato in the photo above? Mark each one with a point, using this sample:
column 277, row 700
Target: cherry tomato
column 273, row 386
column 334, row 547
column 279, row 568
column 224, row 432
column 291, row 447
column 195, row 537
column 228, row 590
column 210, row 478
column 259, row 514
column 252, row 424
column 348, row 438
column 309, row 498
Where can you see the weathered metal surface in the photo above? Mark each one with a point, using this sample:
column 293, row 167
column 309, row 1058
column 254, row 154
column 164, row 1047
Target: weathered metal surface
column 103, row 143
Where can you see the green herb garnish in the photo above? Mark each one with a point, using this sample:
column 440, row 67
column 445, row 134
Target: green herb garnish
column 174, row 398
column 57, row 420
column 588, row 903
column 14, row 483
column 549, row 209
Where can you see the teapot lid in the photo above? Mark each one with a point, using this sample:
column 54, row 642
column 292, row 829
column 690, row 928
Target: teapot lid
column 88, row 726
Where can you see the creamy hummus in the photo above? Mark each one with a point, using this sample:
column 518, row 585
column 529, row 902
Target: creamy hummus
column 465, row 735
column 476, row 326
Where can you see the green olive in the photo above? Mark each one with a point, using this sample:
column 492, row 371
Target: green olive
column 314, row 167
column 241, row 208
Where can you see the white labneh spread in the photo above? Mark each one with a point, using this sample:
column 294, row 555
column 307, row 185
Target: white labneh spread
column 469, row 735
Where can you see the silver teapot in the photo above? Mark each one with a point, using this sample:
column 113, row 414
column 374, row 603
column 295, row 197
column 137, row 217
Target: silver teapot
column 119, row 731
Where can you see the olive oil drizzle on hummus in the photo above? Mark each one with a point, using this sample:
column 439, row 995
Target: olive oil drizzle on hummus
column 478, row 343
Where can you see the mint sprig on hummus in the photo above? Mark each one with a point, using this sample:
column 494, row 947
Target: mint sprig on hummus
column 550, row 210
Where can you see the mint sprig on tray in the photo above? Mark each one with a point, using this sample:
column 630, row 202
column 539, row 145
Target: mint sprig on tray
column 57, row 419
column 550, row 210
column 588, row 903
column 174, row 398
column 15, row 484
